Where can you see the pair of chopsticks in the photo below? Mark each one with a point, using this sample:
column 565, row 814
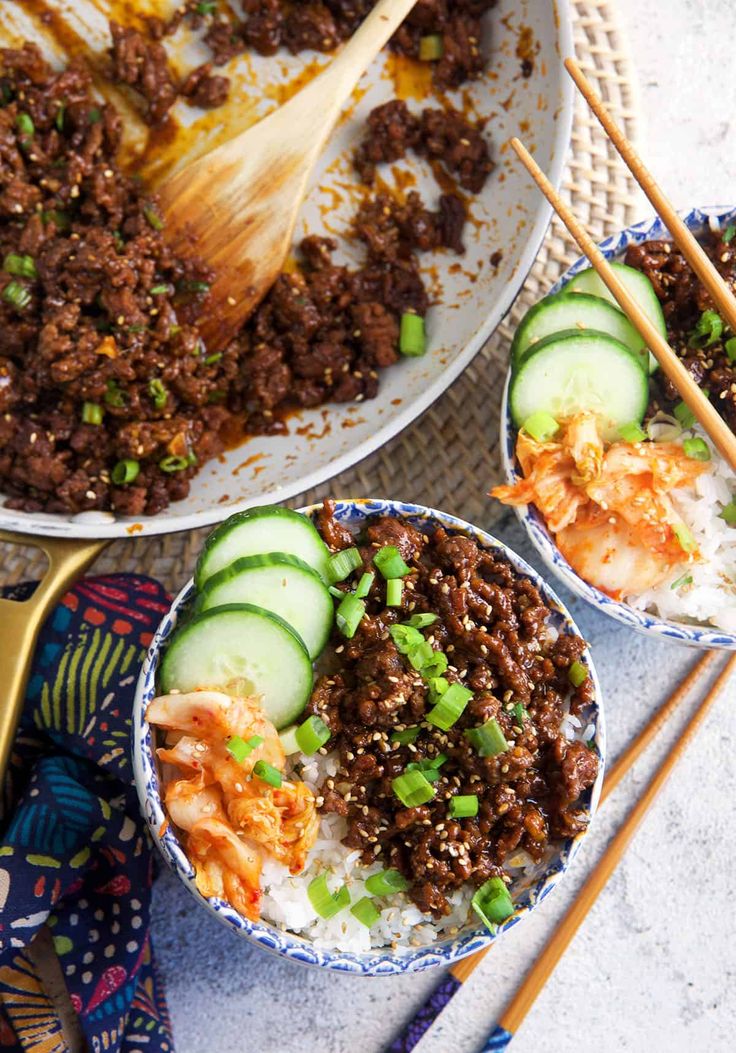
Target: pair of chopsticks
column 526, row 994
column 708, row 416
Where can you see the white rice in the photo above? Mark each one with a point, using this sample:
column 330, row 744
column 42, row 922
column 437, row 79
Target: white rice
column 710, row 598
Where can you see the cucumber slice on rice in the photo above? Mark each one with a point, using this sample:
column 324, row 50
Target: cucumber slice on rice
column 639, row 286
column 260, row 530
column 244, row 649
column 564, row 311
column 575, row 371
column 281, row 584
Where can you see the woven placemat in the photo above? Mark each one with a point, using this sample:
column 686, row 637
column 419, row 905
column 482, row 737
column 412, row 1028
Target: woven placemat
column 448, row 458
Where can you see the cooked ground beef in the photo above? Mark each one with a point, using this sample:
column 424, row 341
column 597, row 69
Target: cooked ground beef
column 684, row 299
column 492, row 626
column 102, row 362
column 444, row 136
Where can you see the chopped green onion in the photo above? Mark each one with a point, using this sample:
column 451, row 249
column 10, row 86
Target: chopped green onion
column 450, row 707
column 211, row 359
column 728, row 234
column 492, row 903
column 174, row 463
column 394, row 592
column 364, row 585
column 406, row 638
column 92, row 413
column 312, row 735
column 125, row 472
column 577, row 674
column 206, row 7
column 287, row 737
column 365, row 911
column 17, row 295
column 541, row 426
column 685, row 538
column 684, row 415
column 386, row 883
column 412, row 337
column 388, row 560
column 158, row 392
column 94, row 116
column 437, row 687
column 730, row 347
column 429, row 773
column 708, row 330
column 267, row 773
column 464, row 806
column 160, row 290
column 342, row 564
column 349, row 615
column 20, row 266
column 24, row 124
column 412, row 788
column 488, row 739
column 196, row 287
column 327, row 904
column 632, row 432
column 686, row 579
column 431, row 48
column 697, row 449
column 239, row 749
column 406, row 735
column 59, row 119
column 433, row 665
column 114, row 396
column 421, row 621
column 729, row 513
column 520, row 714
column 154, row 220
column 337, row 593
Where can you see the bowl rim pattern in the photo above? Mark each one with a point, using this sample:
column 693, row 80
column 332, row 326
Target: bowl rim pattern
column 642, row 621
column 379, row 962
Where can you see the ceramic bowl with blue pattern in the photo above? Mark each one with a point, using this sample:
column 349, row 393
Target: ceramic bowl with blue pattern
column 614, row 247
column 379, row 962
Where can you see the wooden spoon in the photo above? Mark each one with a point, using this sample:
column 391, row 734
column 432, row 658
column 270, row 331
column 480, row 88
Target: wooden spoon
column 236, row 207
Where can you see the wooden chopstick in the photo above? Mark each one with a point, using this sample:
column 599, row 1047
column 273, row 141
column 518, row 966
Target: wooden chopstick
column 712, row 422
column 459, row 973
column 683, row 237
column 536, row 978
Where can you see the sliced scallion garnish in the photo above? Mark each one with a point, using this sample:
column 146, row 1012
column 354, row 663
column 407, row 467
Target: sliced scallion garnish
column 158, row 392
column 730, row 347
column 394, row 592
column 92, row 413
column 24, row 124
column 349, row 615
column 684, row 579
column 412, row 788
column 520, row 714
column 240, row 749
column 20, row 266
column 729, row 513
column 412, row 336
column 342, row 564
column 114, row 396
column 267, row 773
column 312, row 735
column 685, row 537
column 450, row 707
column 17, row 295
column 406, row 735
column 492, row 903
column 577, row 674
column 464, row 806
column 125, row 472
column 406, row 638
column 431, row 48
column 364, row 585
column 421, row 621
column 632, row 432
column 684, row 415
column 541, row 426
column 696, row 448
column 386, row 883
column 390, row 563
column 365, row 911
column 489, row 740
column 152, row 217
column 325, row 903
column 174, row 463
column 708, row 330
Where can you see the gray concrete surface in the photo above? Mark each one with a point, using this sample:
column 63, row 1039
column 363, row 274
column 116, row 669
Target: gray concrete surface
column 653, row 968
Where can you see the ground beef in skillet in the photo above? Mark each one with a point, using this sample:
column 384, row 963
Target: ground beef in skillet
column 492, row 627
column 103, row 324
column 684, row 299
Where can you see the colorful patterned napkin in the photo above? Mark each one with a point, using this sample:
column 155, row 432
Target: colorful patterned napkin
column 75, row 853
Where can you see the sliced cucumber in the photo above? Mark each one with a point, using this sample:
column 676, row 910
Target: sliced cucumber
column 639, row 286
column 282, row 584
column 288, row 740
column 575, row 371
column 241, row 642
column 574, row 311
column 259, row 530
